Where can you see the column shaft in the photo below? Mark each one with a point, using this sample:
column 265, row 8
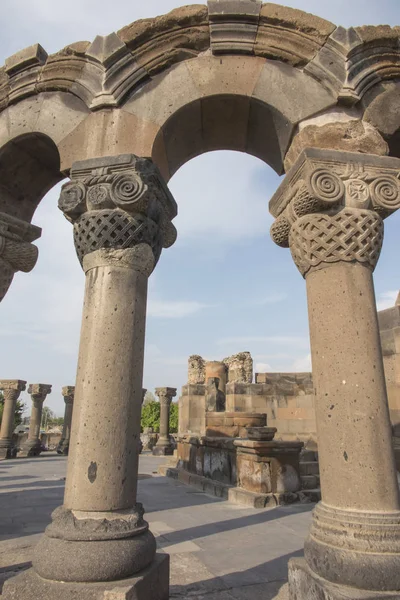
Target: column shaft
column 68, row 393
column 106, row 421
column 355, row 452
column 36, row 421
column 164, row 422
column 7, row 422
column 11, row 391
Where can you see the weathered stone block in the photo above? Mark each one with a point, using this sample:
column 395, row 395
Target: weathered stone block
column 32, row 56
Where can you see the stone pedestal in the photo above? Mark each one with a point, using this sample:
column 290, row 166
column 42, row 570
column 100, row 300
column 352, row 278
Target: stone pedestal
column 33, row 445
column 68, row 393
column 11, row 390
column 268, row 467
column 330, row 210
column 151, row 584
column 164, row 446
column 98, row 540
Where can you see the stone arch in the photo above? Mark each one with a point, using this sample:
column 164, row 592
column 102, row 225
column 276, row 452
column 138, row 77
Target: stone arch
column 30, row 165
column 139, row 93
column 383, row 112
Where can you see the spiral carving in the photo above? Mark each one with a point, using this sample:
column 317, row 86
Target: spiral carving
column 72, row 198
column 127, row 189
column 385, row 192
column 98, row 195
column 327, row 186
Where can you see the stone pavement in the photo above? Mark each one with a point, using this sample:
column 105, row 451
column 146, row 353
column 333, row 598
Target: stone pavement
column 219, row 551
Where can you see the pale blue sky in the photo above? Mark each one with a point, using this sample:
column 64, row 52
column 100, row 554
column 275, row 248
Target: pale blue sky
column 223, row 288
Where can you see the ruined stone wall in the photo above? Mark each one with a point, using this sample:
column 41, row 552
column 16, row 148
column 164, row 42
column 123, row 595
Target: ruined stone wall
column 286, row 398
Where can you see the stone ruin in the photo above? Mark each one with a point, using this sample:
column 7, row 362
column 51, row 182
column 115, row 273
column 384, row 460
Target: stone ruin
column 239, row 368
column 118, row 117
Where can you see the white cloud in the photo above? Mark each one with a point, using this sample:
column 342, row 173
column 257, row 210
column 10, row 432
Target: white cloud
column 226, row 206
column 262, row 368
column 302, row 364
column 273, row 298
column 163, row 309
column 386, row 299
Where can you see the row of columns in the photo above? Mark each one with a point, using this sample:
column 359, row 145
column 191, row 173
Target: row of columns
column 12, row 389
column 329, row 211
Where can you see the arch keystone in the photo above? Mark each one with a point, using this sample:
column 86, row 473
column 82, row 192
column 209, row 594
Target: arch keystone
column 233, row 25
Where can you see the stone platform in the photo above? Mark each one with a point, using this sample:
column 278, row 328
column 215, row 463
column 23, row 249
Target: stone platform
column 218, row 550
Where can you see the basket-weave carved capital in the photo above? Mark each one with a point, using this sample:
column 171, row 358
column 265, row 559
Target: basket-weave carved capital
column 331, row 207
column 350, row 235
column 117, row 203
column 17, row 253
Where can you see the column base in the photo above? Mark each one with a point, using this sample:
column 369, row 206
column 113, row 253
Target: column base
column 63, row 448
column 6, row 453
column 304, row 584
column 358, row 549
column 30, row 449
column 163, row 451
column 151, row 584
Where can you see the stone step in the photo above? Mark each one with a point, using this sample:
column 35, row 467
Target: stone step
column 309, row 482
column 309, row 468
column 312, row 495
column 309, row 456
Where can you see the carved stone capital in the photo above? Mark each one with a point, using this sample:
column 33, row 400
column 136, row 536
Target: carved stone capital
column 17, row 253
column 166, row 394
column 12, row 384
column 39, row 391
column 68, row 393
column 331, row 207
column 118, row 203
column 12, row 388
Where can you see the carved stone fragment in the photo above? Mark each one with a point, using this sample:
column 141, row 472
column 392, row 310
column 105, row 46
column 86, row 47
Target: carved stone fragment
column 196, row 371
column 240, row 368
column 16, row 251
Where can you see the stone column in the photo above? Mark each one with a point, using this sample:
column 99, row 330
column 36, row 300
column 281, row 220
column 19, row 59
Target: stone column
column 330, row 211
column 33, row 445
column 140, row 438
column 164, row 446
column 98, row 541
column 11, row 390
column 17, row 253
column 68, row 394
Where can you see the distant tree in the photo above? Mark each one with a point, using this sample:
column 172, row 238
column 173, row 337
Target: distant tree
column 19, row 410
column 50, row 419
column 151, row 416
column 173, row 417
column 149, row 397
